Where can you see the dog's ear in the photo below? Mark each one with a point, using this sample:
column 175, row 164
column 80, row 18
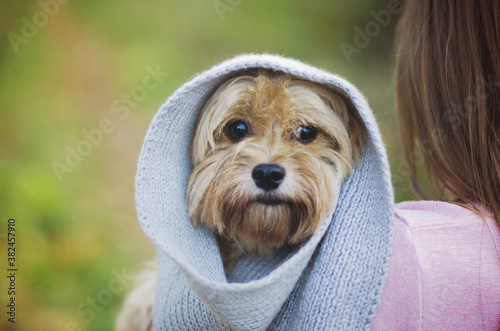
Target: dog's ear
column 355, row 125
column 357, row 130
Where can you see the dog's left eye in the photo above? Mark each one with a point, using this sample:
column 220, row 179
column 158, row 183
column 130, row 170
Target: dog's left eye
column 306, row 134
column 237, row 130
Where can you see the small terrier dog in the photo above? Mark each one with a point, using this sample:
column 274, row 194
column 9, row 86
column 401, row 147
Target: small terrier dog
column 270, row 153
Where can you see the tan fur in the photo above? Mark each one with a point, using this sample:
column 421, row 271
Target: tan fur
column 221, row 192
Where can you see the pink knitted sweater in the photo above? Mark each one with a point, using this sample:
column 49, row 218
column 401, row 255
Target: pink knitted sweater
column 444, row 272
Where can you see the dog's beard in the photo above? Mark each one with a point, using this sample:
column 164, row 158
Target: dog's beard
column 223, row 196
column 259, row 227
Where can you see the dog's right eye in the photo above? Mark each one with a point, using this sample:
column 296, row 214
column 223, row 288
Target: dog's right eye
column 237, row 130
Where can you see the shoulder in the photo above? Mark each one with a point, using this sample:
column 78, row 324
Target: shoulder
column 444, row 269
column 447, row 237
column 419, row 215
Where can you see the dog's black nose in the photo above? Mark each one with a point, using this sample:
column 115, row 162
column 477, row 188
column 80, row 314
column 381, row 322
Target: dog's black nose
column 268, row 176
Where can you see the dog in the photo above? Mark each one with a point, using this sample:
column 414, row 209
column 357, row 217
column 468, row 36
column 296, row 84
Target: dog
column 270, row 153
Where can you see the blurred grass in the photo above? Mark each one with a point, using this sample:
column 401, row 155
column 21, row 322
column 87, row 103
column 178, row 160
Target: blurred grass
column 72, row 235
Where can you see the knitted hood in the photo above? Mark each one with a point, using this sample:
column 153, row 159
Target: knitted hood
column 333, row 281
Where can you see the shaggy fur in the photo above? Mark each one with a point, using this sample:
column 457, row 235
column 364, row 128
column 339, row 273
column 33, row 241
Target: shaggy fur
column 222, row 194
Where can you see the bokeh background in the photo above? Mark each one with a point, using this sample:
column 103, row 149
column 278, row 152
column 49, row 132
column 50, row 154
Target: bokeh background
column 64, row 68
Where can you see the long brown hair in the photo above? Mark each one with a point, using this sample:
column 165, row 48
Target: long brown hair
column 448, row 98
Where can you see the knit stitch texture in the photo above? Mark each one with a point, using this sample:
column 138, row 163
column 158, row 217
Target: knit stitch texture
column 334, row 281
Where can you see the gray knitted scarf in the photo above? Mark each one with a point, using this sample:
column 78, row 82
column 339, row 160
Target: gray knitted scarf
column 334, row 281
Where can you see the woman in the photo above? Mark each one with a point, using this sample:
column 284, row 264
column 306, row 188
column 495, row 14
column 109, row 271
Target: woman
column 445, row 268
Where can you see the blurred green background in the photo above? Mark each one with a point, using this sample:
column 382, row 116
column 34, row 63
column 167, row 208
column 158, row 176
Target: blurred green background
column 63, row 69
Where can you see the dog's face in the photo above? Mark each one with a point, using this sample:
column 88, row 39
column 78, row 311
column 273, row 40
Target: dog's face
column 270, row 153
